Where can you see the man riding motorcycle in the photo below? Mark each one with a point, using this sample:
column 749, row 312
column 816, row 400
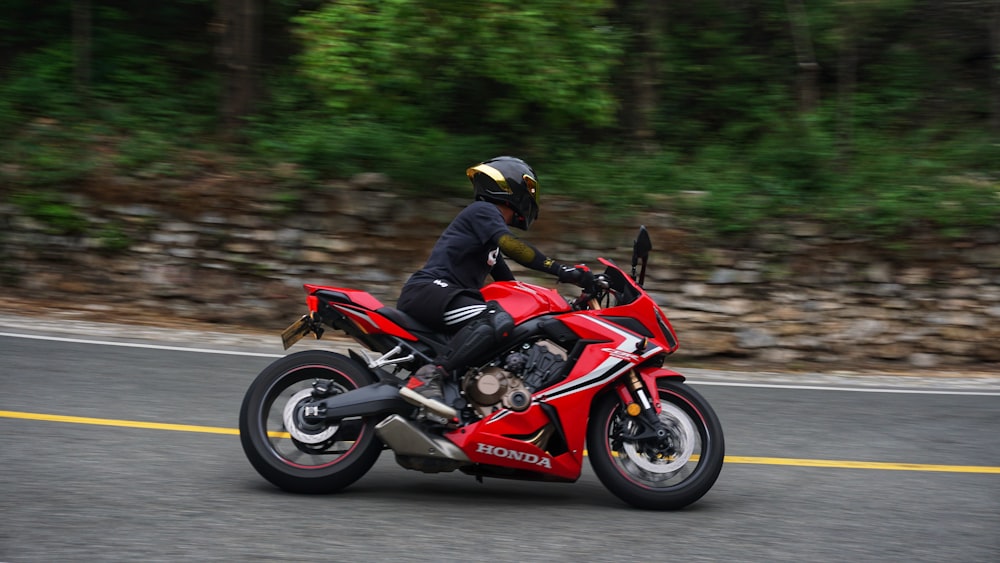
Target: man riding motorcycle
column 444, row 294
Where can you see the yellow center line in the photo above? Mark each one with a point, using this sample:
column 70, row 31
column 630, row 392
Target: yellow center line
column 849, row 464
column 731, row 459
column 123, row 423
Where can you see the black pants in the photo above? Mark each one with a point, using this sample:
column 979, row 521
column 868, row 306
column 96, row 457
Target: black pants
column 476, row 327
column 441, row 305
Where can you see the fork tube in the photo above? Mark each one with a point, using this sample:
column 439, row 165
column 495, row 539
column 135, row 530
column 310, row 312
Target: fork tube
column 648, row 413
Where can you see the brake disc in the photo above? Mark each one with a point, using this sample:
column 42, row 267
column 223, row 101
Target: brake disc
column 682, row 436
column 300, row 429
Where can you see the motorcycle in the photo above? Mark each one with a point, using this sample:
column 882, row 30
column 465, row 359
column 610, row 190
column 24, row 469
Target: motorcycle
column 570, row 374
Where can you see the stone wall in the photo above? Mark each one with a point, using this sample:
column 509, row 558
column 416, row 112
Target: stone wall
column 797, row 294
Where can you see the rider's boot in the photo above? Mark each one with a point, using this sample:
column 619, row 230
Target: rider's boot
column 424, row 389
column 467, row 347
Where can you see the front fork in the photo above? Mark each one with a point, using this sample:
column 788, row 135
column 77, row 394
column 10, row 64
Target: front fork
column 639, row 394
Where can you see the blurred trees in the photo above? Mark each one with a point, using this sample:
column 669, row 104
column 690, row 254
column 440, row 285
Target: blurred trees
column 238, row 25
column 884, row 112
column 517, row 68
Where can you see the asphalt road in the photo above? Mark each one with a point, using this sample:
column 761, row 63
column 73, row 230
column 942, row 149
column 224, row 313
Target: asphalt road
column 819, row 468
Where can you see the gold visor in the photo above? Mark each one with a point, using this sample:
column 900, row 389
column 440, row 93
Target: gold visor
column 493, row 173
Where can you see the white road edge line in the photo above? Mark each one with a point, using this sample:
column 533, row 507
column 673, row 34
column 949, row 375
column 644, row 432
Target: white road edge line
column 135, row 345
column 690, row 380
column 852, row 389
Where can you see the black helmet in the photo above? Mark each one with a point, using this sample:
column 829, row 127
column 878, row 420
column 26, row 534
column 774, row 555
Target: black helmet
column 508, row 180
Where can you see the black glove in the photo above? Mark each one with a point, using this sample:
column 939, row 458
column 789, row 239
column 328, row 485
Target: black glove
column 580, row 276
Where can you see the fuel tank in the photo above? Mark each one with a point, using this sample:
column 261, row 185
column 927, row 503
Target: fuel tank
column 524, row 300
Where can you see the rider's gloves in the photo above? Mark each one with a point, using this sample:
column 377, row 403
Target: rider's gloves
column 579, row 275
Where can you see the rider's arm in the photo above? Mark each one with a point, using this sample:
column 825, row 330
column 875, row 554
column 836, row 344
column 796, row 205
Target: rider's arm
column 501, row 271
column 528, row 256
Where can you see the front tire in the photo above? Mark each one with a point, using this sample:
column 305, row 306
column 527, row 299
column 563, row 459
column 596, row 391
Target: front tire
column 300, row 457
column 657, row 474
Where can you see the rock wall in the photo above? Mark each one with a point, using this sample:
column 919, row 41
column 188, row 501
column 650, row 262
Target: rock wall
column 796, row 294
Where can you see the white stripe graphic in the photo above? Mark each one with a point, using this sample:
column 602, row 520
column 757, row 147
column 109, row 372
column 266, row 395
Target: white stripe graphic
column 461, row 320
column 464, row 310
column 601, row 373
column 463, row 314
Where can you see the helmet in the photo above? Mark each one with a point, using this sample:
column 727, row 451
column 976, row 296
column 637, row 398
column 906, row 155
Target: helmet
column 507, row 180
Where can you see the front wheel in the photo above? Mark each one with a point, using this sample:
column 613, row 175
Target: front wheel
column 290, row 452
column 654, row 473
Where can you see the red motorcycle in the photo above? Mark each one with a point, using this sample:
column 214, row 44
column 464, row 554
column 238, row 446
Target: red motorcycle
column 569, row 374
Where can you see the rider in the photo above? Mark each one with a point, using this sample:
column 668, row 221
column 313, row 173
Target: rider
column 444, row 294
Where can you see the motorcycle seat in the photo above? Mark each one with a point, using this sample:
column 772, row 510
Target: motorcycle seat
column 410, row 324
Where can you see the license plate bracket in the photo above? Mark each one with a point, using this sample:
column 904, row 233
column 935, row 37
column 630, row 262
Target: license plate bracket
column 297, row 331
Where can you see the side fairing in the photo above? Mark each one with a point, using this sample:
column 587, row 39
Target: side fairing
column 506, row 437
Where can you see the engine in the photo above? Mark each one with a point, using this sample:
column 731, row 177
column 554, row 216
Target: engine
column 510, row 381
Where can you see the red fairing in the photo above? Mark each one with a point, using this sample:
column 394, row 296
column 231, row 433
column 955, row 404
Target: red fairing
column 646, row 311
column 373, row 322
column 361, row 308
column 611, row 355
column 489, row 441
column 524, row 301
column 356, row 296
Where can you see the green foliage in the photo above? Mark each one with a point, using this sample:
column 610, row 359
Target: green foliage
column 40, row 85
column 723, row 190
column 606, row 176
column 45, row 153
column 341, row 148
column 50, row 209
column 902, row 185
column 511, row 68
column 112, row 239
column 720, row 76
column 420, row 89
column 892, row 185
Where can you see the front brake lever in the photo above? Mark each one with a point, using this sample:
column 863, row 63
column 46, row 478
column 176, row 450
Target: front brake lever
column 580, row 303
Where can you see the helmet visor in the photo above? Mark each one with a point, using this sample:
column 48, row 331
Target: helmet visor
column 529, row 201
column 491, row 173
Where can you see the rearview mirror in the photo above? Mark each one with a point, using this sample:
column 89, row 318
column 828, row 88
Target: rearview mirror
column 640, row 252
column 641, row 246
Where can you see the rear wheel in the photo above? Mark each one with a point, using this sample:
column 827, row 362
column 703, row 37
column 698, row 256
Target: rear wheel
column 654, row 473
column 289, row 451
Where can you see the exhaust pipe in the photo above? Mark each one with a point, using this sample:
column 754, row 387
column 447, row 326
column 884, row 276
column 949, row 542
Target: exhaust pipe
column 405, row 439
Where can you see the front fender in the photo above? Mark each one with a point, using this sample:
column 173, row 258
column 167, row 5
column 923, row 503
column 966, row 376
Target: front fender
column 650, row 374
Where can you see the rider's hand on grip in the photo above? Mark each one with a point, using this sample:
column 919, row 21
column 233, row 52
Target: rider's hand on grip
column 579, row 275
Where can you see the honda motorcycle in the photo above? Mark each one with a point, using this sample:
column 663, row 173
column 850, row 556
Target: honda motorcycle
column 571, row 380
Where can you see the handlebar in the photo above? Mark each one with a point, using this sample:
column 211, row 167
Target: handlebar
column 592, row 300
column 601, row 281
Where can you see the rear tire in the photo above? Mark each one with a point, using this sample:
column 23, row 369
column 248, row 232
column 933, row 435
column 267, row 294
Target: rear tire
column 307, row 458
column 657, row 475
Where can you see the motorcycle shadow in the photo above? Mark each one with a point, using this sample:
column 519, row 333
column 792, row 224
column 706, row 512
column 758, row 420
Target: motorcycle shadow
column 496, row 492
column 459, row 489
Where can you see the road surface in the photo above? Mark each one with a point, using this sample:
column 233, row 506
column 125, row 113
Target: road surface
column 119, row 444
